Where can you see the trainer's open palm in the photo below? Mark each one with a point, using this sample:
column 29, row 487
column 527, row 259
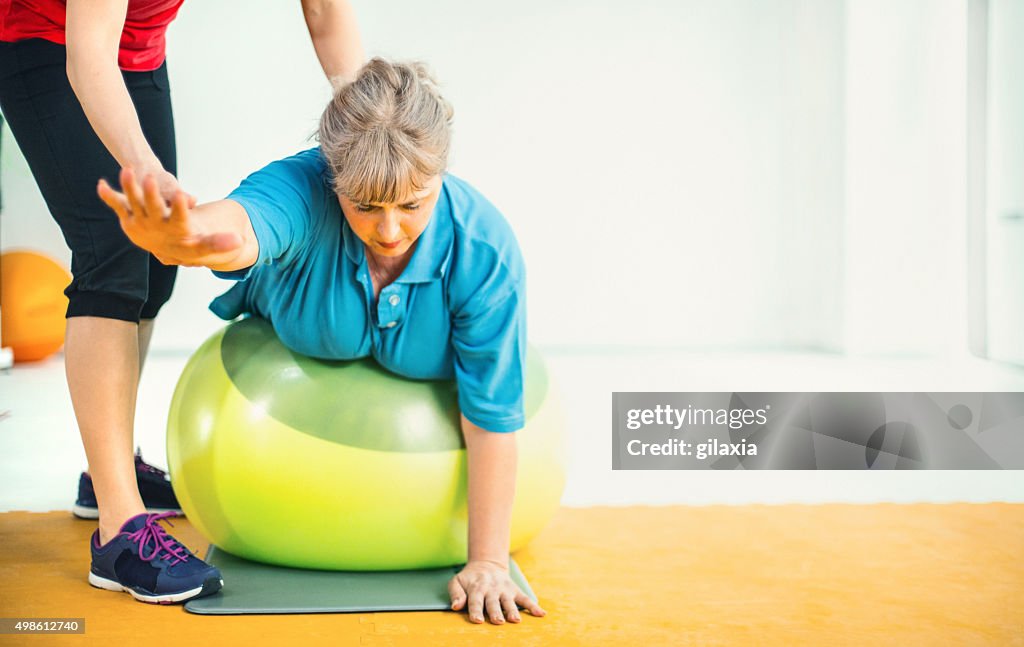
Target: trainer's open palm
column 173, row 233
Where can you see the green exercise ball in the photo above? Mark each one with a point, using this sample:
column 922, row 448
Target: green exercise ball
column 294, row 461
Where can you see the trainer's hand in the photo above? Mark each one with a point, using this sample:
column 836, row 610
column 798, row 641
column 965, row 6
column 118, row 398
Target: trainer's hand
column 173, row 234
column 485, row 585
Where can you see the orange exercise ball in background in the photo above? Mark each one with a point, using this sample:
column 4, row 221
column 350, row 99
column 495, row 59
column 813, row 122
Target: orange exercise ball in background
column 32, row 304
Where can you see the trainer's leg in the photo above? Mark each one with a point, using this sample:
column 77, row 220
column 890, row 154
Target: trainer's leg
column 110, row 275
column 144, row 337
column 101, row 358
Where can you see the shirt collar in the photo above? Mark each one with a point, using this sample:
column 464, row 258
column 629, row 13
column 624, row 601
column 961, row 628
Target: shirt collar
column 433, row 248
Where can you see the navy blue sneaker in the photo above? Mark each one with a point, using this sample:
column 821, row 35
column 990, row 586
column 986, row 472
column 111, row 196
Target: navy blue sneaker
column 154, row 486
column 142, row 559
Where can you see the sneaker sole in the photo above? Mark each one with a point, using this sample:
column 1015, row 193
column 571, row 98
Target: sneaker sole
column 83, row 512
column 209, row 587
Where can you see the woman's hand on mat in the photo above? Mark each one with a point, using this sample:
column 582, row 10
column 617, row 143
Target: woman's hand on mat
column 171, row 233
column 485, row 587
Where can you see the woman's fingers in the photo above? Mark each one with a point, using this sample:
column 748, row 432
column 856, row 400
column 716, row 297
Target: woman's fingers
column 490, row 596
column 508, row 605
column 527, row 603
column 181, row 203
column 456, row 593
column 133, row 192
column 155, row 205
column 476, row 606
column 144, row 197
column 114, row 199
column 493, row 604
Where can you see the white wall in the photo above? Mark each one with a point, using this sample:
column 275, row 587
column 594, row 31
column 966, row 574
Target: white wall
column 1005, row 182
column 906, row 227
column 694, row 173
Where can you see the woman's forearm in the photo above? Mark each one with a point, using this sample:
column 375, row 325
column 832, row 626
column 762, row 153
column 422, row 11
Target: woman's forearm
column 492, row 461
column 93, row 33
column 227, row 216
column 335, row 36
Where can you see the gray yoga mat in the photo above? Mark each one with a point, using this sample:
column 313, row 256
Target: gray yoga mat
column 251, row 587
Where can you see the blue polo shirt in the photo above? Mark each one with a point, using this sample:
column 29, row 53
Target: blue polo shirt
column 458, row 310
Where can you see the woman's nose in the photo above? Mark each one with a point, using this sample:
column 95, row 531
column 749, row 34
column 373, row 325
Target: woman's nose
column 390, row 226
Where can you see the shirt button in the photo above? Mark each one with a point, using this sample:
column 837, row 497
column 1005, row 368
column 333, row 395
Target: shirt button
column 394, row 300
column 392, row 324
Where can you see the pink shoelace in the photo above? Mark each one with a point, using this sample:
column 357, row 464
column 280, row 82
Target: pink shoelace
column 155, row 532
column 146, row 467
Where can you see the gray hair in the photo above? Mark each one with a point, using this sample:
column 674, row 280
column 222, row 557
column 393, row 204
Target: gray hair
column 386, row 133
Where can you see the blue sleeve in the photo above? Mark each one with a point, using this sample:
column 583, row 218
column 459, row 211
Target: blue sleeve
column 281, row 200
column 489, row 340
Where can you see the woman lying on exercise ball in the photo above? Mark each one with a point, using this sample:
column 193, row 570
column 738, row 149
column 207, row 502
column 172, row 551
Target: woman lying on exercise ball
column 365, row 246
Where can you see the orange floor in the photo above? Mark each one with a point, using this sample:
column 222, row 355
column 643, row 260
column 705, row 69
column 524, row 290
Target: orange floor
column 750, row 575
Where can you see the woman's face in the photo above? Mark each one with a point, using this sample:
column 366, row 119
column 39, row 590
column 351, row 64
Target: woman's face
column 390, row 229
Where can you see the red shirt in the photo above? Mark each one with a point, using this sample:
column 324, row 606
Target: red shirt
column 143, row 37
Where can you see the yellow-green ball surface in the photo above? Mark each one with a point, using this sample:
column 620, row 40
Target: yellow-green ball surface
column 298, row 462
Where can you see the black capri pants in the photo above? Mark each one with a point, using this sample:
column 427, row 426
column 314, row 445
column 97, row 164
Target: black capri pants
column 112, row 278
